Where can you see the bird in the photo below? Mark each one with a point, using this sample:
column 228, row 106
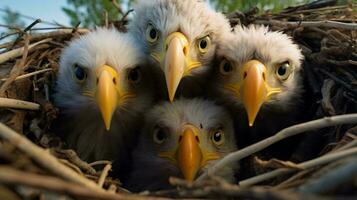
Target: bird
column 102, row 89
column 181, row 139
column 181, row 38
column 258, row 75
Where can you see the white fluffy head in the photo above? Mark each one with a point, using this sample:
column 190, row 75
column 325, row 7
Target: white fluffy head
column 269, row 47
column 82, row 120
column 90, row 51
column 191, row 17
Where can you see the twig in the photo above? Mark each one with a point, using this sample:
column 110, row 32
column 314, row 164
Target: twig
column 17, row 52
column 126, row 14
column 338, row 81
column 15, row 103
column 105, row 18
column 73, row 157
column 29, row 74
column 29, row 27
column 100, row 162
column 104, row 174
column 44, row 158
column 326, row 96
column 308, row 164
column 11, row 176
column 275, row 163
column 17, row 69
column 72, row 166
column 58, row 33
column 234, row 157
column 324, row 24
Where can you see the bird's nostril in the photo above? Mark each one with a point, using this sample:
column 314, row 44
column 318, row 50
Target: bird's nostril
column 115, row 81
column 263, row 74
column 185, row 51
column 197, row 139
column 244, row 75
column 180, row 138
column 97, row 81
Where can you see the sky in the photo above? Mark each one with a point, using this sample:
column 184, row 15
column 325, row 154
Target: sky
column 47, row 10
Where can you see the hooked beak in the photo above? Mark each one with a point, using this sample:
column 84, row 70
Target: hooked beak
column 189, row 156
column 175, row 61
column 253, row 89
column 107, row 93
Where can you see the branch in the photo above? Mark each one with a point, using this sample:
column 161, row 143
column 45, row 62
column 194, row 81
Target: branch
column 12, row 176
column 29, row 74
column 17, row 52
column 234, row 157
column 15, row 103
column 308, row 164
column 104, row 174
column 18, row 68
column 324, row 24
column 44, row 158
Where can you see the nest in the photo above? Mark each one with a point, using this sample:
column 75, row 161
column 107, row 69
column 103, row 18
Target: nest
column 34, row 163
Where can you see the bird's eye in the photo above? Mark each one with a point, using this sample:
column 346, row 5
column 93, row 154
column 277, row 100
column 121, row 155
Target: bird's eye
column 159, row 135
column 79, row 73
column 134, row 75
column 225, row 67
column 204, row 44
column 218, row 137
column 283, row 71
column 152, row 33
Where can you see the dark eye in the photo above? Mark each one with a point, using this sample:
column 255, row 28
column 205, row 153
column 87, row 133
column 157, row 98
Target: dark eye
column 218, row 137
column 225, row 67
column 134, row 75
column 159, row 135
column 283, row 71
column 151, row 33
column 79, row 73
column 204, row 44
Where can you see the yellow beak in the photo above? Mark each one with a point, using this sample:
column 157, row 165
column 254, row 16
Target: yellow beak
column 175, row 61
column 107, row 92
column 189, row 154
column 255, row 90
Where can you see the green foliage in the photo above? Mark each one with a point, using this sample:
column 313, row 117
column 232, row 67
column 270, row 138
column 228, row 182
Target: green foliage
column 91, row 12
column 262, row 5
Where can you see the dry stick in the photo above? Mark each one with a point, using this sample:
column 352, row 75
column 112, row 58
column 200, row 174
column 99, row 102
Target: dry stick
column 29, row 74
column 324, row 24
column 29, row 27
column 59, row 33
column 308, row 164
column 44, row 158
column 10, row 175
column 100, row 162
column 18, row 68
column 104, row 174
column 39, row 36
column 234, row 157
column 17, row 52
column 15, row 103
